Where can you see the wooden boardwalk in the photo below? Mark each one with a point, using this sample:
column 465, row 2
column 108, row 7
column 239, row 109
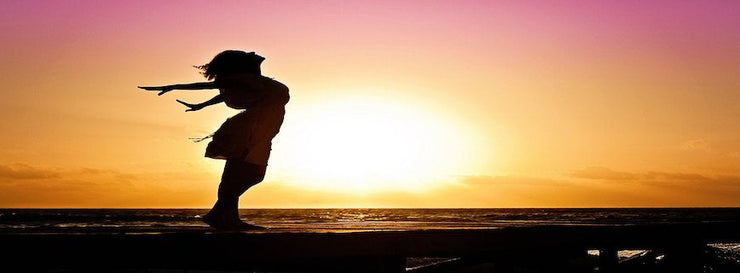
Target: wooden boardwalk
column 551, row 248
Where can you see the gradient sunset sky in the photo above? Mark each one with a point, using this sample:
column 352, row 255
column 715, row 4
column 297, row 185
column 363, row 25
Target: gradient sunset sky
column 393, row 103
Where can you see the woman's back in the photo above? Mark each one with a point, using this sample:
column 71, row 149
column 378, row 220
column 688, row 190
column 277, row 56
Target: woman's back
column 248, row 91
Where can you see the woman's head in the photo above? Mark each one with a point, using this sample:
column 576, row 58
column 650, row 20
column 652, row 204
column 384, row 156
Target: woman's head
column 232, row 61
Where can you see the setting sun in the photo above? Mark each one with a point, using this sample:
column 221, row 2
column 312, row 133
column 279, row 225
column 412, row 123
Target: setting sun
column 367, row 144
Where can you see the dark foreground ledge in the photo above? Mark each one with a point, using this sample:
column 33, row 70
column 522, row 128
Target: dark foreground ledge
column 371, row 251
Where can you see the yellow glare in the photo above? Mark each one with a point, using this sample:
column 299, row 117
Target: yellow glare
column 368, row 145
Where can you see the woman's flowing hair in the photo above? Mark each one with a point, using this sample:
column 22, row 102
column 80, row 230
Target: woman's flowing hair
column 229, row 61
column 199, row 139
column 232, row 61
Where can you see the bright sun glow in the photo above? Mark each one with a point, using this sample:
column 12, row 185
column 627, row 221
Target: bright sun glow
column 365, row 145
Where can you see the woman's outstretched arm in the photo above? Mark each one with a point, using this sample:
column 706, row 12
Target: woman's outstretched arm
column 195, row 107
column 186, row 86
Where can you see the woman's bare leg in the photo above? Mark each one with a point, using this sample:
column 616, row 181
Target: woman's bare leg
column 237, row 178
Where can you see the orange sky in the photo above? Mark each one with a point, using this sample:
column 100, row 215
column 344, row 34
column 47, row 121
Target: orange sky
column 412, row 104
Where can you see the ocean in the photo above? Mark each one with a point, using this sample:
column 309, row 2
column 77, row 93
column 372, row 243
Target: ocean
column 364, row 219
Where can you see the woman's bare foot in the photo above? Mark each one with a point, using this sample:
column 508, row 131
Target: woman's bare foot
column 247, row 226
column 228, row 223
column 216, row 221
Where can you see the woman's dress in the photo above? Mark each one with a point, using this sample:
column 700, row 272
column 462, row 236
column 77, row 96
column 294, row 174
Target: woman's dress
column 248, row 135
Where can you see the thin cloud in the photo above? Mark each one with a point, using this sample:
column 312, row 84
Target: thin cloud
column 697, row 144
column 23, row 172
column 606, row 174
column 33, row 186
column 691, row 177
column 487, row 180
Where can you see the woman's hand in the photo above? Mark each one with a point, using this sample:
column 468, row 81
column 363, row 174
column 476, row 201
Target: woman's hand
column 193, row 107
column 162, row 89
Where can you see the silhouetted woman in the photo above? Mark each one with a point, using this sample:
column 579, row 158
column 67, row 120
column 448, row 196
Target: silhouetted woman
column 245, row 139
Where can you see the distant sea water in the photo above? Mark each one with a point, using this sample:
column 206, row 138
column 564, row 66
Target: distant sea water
column 364, row 219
